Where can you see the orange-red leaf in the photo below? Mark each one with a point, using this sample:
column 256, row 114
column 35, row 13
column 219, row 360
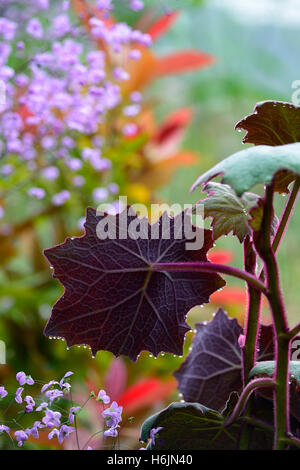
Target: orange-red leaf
column 174, row 122
column 230, row 296
column 162, row 24
column 182, row 62
column 221, row 256
column 145, row 393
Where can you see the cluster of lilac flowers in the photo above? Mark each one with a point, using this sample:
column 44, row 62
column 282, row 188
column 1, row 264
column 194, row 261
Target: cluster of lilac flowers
column 63, row 95
column 51, row 419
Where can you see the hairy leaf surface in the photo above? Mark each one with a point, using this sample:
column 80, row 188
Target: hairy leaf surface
column 191, row 426
column 212, row 369
column 113, row 300
column 244, row 169
column 228, row 211
column 268, row 368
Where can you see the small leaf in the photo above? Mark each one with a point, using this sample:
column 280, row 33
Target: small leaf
column 212, row 369
column 113, row 299
column 256, row 219
column 162, row 24
column 228, row 211
column 244, row 169
column 268, row 367
column 272, row 123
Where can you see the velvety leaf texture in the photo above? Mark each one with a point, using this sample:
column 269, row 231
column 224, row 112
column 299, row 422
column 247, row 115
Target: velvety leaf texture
column 228, row 211
column 268, row 367
column 272, row 123
column 260, row 164
column 190, row 426
column 212, row 369
column 114, row 301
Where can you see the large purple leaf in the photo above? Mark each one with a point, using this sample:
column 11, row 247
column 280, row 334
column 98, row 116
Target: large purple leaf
column 114, row 301
column 212, row 369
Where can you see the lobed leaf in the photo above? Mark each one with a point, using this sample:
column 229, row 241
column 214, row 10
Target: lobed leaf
column 228, row 211
column 113, row 300
column 244, row 169
column 271, row 123
column 212, row 369
column 191, row 426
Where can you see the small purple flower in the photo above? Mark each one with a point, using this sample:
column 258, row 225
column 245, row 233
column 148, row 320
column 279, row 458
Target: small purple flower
column 34, row 28
column 112, row 414
column 154, row 434
column 43, row 406
column 136, row 5
column 4, row 428
column 103, row 397
column 61, row 25
column 53, row 394
column 72, row 413
column 30, row 404
column 18, row 396
column 60, row 198
column 34, row 430
column 51, row 173
column 3, row 392
column 21, row 437
column 130, row 129
column 135, row 54
column 53, row 433
column 104, row 5
column 64, row 432
column 38, row 193
column 63, row 383
column 48, row 385
column 111, row 432
column 23, row 379
column 121, row 74
column 136, row 97
column 100, row 194
column 51, row 418
column 132, row 110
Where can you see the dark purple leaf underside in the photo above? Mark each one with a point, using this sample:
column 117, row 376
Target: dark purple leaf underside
column 212, row 370
column 113, row 301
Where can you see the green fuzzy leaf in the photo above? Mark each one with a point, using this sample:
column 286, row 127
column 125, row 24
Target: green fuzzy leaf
column 268, row 367
column 191, row 426
column 244, row 169
column 228, row 211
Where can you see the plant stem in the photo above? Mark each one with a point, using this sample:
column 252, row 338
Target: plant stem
column 212, row 268
column 253, row 314
column 253, row 385
column 282, row 349
column 294, row 331
column 286, row 215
